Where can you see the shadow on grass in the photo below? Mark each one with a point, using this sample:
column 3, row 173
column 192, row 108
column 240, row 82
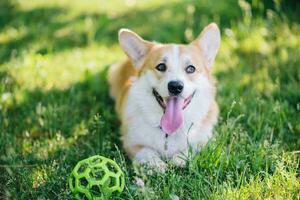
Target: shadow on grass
column 46, row 30
column 7, row 12
column 43, row 114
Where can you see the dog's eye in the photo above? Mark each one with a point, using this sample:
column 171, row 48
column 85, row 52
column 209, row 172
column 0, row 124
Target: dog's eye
column 161, row 67
column 190, row 69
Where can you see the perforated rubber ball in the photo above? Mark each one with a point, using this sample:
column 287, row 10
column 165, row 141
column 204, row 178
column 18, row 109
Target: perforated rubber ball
column 96, row 177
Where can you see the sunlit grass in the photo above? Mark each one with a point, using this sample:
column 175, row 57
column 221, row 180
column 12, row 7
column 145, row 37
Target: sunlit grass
column 59, row 70
column 283, row 184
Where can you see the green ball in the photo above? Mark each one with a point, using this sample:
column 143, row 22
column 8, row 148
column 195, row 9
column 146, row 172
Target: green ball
column 96, row 177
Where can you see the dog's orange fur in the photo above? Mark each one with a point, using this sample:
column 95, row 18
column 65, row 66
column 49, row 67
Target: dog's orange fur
column 119, row 79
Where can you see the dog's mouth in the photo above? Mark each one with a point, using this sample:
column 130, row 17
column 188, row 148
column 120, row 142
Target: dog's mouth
column 159, row 99
column 162, row 102
column 173, row 106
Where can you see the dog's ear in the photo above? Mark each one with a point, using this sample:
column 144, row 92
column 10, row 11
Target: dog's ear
column 209, row 42
column 134, row 46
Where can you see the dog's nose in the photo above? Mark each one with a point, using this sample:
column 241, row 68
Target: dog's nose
column 175, row 87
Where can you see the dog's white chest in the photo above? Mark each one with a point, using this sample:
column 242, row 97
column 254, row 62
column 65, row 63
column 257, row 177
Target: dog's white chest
column 142, row 133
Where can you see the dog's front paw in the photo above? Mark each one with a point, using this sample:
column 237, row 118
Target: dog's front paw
column 179, row 159
column 158, row 165
column 150, row 158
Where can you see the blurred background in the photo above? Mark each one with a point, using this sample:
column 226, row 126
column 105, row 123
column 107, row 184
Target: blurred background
column 55, row 109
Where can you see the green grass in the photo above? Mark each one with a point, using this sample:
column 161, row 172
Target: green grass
column 55, row 109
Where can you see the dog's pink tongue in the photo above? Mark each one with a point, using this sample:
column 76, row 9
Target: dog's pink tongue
column 172, row 118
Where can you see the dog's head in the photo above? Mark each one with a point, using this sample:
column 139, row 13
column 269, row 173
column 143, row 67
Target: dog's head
column 172, row 76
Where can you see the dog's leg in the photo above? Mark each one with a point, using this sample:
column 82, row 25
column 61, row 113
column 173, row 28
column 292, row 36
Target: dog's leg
column 149, row 156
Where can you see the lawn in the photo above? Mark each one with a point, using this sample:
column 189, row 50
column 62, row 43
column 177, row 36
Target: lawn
column 55, row 109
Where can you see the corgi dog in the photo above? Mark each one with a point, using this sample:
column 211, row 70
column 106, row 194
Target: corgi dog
column 165, row 96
